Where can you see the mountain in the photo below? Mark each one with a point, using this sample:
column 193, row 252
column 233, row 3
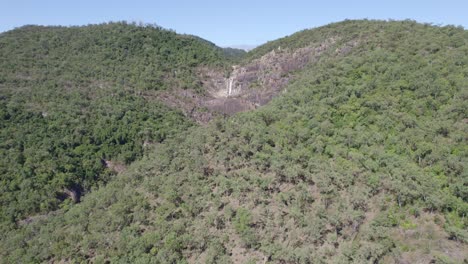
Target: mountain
column 78, row 103
column 234, row 52
column 354, row 150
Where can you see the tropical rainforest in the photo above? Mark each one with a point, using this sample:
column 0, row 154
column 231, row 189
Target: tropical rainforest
column 359, row 157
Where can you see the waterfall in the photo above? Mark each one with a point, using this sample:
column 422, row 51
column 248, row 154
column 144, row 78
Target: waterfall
column 229, row 86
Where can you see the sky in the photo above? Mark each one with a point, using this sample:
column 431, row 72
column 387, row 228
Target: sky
column 228, row 23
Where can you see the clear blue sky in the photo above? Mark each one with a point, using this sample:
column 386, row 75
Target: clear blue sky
column 228, row 23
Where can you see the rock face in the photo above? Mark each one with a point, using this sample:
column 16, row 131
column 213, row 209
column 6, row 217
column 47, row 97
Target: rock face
column 256, row 83
column 247, row 86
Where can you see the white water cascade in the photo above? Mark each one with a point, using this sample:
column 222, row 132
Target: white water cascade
column 229, row 86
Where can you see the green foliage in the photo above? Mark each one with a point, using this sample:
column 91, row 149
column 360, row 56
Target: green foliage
column 234, row 54
column 143, row 57
column 242, row 222
column 369, row 134
column 74, row 99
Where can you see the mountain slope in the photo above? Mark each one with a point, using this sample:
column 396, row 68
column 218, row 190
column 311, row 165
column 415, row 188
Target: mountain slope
column 361, row 159
column 141, row 57
column 79, row 103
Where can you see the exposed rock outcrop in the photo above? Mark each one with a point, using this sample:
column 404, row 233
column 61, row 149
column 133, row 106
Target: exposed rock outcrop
column 256, row 83
column 250, row 85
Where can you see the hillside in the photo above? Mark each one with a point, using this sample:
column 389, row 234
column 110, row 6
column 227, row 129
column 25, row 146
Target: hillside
column 79, row 104
column 357, row 154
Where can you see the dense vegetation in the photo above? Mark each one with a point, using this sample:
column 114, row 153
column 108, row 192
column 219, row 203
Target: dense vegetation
column 141, row 57
column 234, row 54
column 71, row 104
column 368, row 143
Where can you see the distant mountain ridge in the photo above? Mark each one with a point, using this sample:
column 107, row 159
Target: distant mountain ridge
column 245, row 47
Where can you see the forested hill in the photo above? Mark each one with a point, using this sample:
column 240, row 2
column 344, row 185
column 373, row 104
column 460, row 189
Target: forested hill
column 362, row 30
column 142, row 57
column 72, row 111
column 361, row 158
